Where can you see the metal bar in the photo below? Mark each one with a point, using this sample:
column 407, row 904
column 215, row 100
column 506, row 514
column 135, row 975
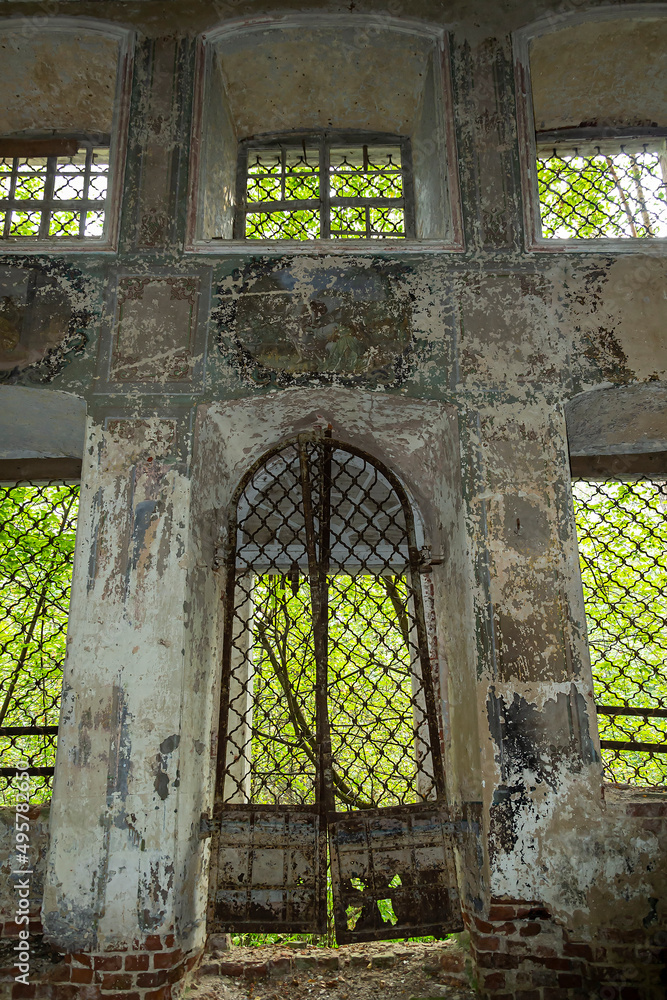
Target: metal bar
column 228, row 627
column 47, row 201
column 14, row 471
column 629, row 466
column 653, row 713
column 28, row 730
column 39, row 772
column 623, row 745
column 325, row 190
column 570, row 135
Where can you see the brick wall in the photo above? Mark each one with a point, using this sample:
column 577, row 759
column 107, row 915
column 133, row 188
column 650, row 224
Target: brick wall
column 151, row 970
column 521, row 953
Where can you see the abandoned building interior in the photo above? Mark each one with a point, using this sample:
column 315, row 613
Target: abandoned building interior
column 333, row 493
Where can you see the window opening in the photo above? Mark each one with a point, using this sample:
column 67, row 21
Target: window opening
column 37, row 533
column 329, row 737
column 53, row 188
column 622, row 531
column 610, row 188
column 325, row 186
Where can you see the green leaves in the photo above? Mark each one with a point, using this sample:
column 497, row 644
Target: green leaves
column 622, row 531
column 37, row 535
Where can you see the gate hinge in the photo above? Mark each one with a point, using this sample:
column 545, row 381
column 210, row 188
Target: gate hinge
column 207, row 826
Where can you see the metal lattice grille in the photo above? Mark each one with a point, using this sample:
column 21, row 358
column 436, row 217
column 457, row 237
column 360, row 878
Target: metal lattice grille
column 622, row 530
column 37, row 531
column 55, row 196
column 610, row 190
column 327, row 672
column 320, row 187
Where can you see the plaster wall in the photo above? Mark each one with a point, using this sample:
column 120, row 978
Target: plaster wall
column 67, row 88
column 600, row 73
column 458, row 369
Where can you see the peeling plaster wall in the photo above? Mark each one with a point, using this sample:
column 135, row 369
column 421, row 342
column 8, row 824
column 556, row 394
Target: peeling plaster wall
column 68, row 88
column 579, row 78
column 458, row 369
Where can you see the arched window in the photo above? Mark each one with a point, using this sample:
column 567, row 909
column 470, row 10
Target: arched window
column 328, row 714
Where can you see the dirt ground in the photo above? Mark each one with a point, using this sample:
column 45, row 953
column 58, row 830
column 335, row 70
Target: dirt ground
column 378, row 971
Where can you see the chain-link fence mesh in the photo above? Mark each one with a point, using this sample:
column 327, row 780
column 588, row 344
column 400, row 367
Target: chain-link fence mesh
column 603, row 191
column 622, row 531
column 325, row 607
column 37, row 532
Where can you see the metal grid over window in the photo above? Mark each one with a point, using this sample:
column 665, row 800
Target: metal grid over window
column 622, row 531
column 325, row 186
column 59, row 191
column 37, row 531
column 326, row 640
column 602, row 189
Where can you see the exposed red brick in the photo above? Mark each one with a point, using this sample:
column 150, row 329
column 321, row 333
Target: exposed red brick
column 60, row 973
column 79, row 975
column 578, row 951
column 502, row 912
column 281, row 964
column 169, row 941
column 492, row 960
column 164, row 993
column 153, row 943
column 570, row 979
column 152, row 978
column 173, row 975
column 487, row 943
column 166, row 959
column 213, row 969
column 137, row 963
column 118, row 996
column 22, row 992
column 623, row 936
column 557, row 964
column 530, row 930
column 80, row 958
column 494, row 981
column 117, row 981
column 484, row 926
column 108, row 963
column 231, row 969
column 256, row 971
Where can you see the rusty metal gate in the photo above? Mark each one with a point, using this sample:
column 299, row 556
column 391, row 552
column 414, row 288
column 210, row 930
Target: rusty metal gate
column 329, row 745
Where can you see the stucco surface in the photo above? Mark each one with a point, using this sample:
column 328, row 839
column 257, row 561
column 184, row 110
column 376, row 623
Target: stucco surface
column 607, row 73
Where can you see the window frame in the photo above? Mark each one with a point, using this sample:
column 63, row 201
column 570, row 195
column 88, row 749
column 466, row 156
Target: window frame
column 118, row 139
column 50, row 149
column 451, row 240
column 323, row 140
column 629, row 467
column 529, row 138
column 47, row 472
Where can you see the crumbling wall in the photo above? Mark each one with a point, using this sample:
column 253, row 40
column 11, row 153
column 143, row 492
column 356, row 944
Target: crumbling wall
column 456, row 368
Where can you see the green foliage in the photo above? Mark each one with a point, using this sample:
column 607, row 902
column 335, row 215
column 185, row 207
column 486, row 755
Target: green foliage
column 37, row 533
column 622, row 529
column 370, row 692
column 601, row 195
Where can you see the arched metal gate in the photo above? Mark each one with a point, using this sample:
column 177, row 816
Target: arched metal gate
column 328, row 741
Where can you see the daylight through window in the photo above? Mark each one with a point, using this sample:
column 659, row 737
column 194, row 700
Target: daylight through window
column 37, row 532
column 605, row 189
column 622, row 530
column 325, row 187
column 55, row 193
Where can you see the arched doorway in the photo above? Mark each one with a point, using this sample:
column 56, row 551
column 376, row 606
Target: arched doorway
column 329, row 740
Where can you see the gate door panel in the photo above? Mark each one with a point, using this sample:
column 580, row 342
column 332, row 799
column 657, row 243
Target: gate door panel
column 328, row 715
column 394, row 869
column 267, row 869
